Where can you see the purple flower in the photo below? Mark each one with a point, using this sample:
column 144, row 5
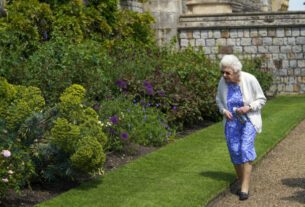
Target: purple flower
column 161, row 93
column 121, row 84
column 124, row 135
column 149, row 91
column 149, row 88
column 174, row 108
column 114, row 119
column 6, row 153
column 147, row 84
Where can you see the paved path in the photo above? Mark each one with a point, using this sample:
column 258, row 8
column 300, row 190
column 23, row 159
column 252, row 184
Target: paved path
column 278, row 180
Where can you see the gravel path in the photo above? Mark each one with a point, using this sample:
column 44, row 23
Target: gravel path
column 278, row 180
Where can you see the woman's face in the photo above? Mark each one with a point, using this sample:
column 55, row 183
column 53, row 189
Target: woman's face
column 229, row 75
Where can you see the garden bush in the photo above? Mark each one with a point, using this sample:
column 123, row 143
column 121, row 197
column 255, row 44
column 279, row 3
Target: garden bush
column 127, row 122
column 68, row 140
column 21, row 32
column 200, row 75
column 182, row 83
column 16, row 169
column 16, row 104
column 56, row 65
column 31, row 24
column 254, row 66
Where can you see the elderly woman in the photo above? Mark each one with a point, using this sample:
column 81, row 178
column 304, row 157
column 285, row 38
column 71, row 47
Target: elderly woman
column 240, row 99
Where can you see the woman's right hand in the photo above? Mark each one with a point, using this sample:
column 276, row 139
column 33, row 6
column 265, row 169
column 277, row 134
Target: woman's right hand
column 228, row 115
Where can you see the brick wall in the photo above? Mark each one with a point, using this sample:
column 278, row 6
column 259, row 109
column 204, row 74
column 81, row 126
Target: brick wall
column 279, row 37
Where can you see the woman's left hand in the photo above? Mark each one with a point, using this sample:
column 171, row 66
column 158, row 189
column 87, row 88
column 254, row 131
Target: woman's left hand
column 243, row 110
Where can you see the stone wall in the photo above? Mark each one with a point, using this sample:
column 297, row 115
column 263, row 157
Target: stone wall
column 132, row 5
column 278, row 37
column 166, row 14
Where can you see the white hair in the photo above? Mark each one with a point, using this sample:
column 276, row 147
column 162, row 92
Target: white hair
column 231, row 61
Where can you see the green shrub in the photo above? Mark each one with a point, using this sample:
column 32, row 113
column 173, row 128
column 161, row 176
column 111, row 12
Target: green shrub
column 182, row 83
column 32, row 24
column 16, row 169
column 17, row 103
column 254, row 66
column 65, row 135
column 88, row 148
column 27, row 25
column 64, row 148
column 126, row 122
column 58, row 64
column 77, row 22
column 135, row 26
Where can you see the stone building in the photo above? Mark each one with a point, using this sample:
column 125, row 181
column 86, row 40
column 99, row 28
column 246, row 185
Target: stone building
column 167, row 12
column 247, row 28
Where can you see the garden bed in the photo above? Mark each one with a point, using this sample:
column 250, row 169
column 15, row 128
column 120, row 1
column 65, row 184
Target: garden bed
column 29, row 197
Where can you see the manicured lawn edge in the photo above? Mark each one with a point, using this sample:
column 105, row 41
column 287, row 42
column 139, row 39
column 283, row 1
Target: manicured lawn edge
column 190, row 172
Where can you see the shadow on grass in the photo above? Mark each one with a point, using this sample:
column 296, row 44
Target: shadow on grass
column 298, row 196
column 218, row 175
column 94, row 183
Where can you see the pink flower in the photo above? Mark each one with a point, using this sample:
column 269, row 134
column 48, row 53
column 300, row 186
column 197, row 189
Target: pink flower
column 5, row 180
column 6, row 153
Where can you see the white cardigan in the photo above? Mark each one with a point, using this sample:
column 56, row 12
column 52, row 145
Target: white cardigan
column 252, row 93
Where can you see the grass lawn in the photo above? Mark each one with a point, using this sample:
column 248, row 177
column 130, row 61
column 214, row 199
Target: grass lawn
column 188, row 173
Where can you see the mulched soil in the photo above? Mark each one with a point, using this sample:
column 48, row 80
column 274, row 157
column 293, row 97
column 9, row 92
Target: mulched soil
column 278, row 179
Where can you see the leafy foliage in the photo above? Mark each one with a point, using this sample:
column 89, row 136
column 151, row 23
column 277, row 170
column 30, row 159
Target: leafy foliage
column 126, row 122
column 254, row 66
column 75, row 134
column 56, row 66
column 16, row 169
column 17, row 103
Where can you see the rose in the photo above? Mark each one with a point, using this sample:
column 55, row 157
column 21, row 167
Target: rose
column 6, row 153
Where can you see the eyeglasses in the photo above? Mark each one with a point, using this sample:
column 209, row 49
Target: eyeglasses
column 226, row 73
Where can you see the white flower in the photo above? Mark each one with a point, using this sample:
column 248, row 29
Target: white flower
column 10, row 172
column 100, row 123
column 6, row 153
column 5, row 180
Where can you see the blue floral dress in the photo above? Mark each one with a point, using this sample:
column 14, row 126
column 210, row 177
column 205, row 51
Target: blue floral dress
column 240, row 135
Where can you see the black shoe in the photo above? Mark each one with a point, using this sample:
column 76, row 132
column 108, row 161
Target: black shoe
column 243, row 196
